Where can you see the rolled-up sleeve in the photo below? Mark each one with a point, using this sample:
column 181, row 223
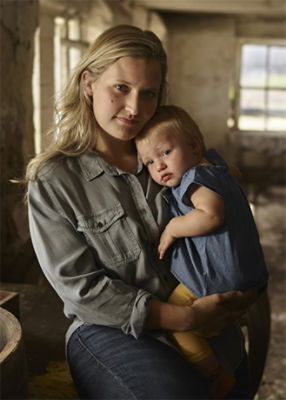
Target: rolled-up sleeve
column 89, row 292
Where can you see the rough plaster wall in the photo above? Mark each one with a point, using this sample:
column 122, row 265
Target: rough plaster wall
column 201, row 53
column 18, row 23
column 269, row 28
column 102, row 15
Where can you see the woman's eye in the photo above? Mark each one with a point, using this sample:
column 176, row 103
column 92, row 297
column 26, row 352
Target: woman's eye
column 149, row 94
column 166, row 152
column 122, row 88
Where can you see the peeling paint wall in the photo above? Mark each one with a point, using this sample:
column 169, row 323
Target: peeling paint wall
column 18, row 23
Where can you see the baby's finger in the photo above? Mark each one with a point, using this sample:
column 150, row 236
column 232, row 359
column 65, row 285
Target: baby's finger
column 161, row 252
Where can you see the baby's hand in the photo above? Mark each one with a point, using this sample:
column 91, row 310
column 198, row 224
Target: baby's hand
column 166, row 240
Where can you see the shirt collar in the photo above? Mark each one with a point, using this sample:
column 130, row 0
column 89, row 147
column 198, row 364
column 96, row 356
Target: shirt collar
column 92, row 166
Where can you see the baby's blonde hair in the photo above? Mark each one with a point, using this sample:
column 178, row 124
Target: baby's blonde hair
column 74, row 132
column 177, row 118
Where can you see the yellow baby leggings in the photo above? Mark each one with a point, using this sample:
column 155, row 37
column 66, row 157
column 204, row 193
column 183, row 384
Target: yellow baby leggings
column 194, row 347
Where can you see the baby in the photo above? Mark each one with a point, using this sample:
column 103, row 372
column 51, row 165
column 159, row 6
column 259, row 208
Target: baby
column 216, row 243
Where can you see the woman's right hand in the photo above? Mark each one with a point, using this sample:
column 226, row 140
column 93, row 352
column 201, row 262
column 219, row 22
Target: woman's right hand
column 206, row 316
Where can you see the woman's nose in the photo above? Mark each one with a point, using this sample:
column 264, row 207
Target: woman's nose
column 132, row 104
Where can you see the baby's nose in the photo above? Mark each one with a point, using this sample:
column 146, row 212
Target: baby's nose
column 161, row 166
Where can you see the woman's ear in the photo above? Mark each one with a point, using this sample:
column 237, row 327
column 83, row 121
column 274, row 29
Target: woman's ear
column 87, row 82
column 195, row 146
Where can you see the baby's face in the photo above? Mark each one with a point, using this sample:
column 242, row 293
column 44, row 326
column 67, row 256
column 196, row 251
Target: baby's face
column 167, row 156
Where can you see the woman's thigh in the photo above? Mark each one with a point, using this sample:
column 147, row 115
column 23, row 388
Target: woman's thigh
column 107, row 364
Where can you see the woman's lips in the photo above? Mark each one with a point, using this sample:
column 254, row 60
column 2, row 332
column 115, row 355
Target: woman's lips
column 127, row 121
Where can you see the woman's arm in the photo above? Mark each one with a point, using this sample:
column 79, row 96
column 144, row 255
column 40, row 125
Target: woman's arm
column 207, row 215
column 207, row 316
column 86, row 289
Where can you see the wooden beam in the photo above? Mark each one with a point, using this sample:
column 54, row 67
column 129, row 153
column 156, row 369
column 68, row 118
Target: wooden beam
column 252, row 7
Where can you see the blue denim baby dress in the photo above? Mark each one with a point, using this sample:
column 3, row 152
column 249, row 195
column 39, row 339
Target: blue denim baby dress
column 229, row 257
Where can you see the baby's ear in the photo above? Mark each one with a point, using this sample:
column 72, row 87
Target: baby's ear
column 87, row 81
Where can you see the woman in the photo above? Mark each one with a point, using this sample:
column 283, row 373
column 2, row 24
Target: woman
column 95, row 220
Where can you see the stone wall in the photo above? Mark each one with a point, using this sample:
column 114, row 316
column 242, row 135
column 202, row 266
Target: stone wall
column 18, row 23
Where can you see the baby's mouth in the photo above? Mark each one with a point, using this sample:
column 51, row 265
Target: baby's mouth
column 166, row 177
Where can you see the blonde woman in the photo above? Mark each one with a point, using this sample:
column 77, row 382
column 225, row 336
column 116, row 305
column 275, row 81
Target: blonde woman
column 95, row 220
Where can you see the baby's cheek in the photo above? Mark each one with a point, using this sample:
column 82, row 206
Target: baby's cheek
column 153, row 175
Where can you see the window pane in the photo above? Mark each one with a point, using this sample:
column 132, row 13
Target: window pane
column 276, row 124
column 247, row 123
column 252, row 101
column 252, row 105
column 74, row 29
column 74, row 55
column 277, row 67
column 253, row 65
column 276, row 102
column 276, row 120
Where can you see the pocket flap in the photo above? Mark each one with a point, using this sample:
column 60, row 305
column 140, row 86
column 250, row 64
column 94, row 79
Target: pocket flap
column 100, row 222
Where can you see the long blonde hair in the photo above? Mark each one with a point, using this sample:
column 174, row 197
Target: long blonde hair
column 74, row 132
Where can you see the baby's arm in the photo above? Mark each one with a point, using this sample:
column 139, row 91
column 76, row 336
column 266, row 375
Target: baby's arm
column 207, row 215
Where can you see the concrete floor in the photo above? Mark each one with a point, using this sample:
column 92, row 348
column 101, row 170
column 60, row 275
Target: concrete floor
column 44, row 325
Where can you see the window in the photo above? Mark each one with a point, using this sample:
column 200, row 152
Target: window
column 65, row 31
column 69, row 47
column 261, row 87
column 59, row 45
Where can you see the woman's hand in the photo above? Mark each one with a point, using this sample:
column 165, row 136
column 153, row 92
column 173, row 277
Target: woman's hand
column 213, row 313
column 206, row 316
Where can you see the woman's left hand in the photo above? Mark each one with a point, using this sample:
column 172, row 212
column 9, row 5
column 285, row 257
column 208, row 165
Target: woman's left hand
column 217, row 311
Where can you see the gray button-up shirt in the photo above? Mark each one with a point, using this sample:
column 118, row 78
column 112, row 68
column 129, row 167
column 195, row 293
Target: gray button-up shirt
column 95, row 231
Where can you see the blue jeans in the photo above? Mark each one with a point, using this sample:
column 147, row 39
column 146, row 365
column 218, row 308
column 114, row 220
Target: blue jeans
column 107, row 364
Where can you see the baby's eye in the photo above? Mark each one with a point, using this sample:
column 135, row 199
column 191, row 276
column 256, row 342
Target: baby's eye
column 166, row 152
column 150, row 162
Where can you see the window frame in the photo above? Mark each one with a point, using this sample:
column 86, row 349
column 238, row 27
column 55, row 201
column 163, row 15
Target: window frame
column 65, row 44
column 237, row 87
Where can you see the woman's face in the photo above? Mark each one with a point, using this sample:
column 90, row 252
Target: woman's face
column 125, row 96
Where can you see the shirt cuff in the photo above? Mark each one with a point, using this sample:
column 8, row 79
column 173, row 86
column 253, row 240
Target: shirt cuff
column 140, row 311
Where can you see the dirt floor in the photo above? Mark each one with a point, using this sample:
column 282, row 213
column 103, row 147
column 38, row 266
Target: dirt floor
column 270, row 215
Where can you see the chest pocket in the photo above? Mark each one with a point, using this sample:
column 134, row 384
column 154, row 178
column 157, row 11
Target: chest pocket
column 109, row 233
